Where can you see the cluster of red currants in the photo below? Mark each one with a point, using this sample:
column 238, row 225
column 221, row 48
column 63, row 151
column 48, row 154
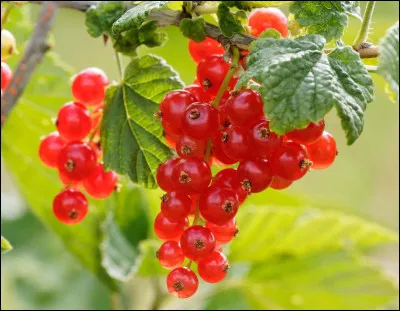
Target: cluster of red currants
column 205, row 128
column 74, row 149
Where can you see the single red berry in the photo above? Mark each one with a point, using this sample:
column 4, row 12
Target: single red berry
column 168, row 230
column 188, row 147
column 100, row 184
column 175, row 206
column 205, row 48
column 49, row 149
column 76, row 161
column 69, row 183
column 322, row 152
column 88, row 86
column 228, row 178
column 164, row 174
column 170, row 255
column 73, row 121
column 214, row 268
column 6, row 75
column 262, row 141
column 200, row 121
column 290, row 161
column 307, row 135
column 255, row 175
column 182, row 282
column 245, row 107
column 264, row 18
column 197, row 242
column 235, row 143
column 191, row 176
column 172, row 108
column 198, row 92
column 225, row 233
column 218, row 153
column 224, row 120
column 280, row 183
column 70, row 206
column 171, row 139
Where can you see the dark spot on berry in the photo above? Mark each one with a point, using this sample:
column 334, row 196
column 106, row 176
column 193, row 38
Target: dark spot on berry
column 73, row 214
column 207, row 84
column 186, row 150
column 178, row 286
column 224, row 137
column 246, row 185
column 70, row 165
column 194, row 114
column 165, row 198
column 228, row 207
column 158, row 114
column 157, row 254
column 225, row 268
column 305, row 163
column 236, row 232
column 227, row 123
column 264, row 133
column 199, row 244
column 337, row 152
column 184, row 178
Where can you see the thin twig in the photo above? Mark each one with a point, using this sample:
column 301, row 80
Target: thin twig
column 366, row 23
column 33, row 55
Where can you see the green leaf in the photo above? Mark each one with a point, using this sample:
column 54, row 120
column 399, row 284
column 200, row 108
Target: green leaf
column 227, row 22
column 5, row 245
column 300, row 83
column 136, row 16
column 270, row 33
column 193, row 29
column 389, row 59
column 132, row 139
column 327, row 18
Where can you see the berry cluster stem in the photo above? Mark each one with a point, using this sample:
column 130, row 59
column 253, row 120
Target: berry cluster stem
column 365, row 26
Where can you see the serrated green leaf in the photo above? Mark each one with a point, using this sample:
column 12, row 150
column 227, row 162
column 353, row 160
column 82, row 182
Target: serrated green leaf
column 5, row 245
column 300, row 83
column 132, row 139
column 389, row 59
column 326, row 18
column 136, row 16
column 227, row 21
column 193, row 29
column 151, row 36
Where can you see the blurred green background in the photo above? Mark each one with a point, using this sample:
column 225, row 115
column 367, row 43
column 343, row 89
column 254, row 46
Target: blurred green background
column 364, row 180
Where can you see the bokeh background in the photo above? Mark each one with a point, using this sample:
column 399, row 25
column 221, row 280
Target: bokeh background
column 364, row 180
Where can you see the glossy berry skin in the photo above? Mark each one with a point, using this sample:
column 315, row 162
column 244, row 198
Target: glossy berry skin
column 170, row 255
column 280, row 183
column 322, row 152
column 188, row 147
column 49, row 149
column 171, row 139
column 182, row 282
column 245, row 107
column 100, row 184
column 205, row 48
column 164, row 174
column 225, row 233
column 224, row 120
column 214, row 268
column 70, row 206
column 235, row 143
column 175, row 206
column 168, row 230
column 89, row 85
column 290, row 161
column 228, row 178
column 218, row 153
column 307, row 135
column 262, row 141
column 264, row 18
column 255, row 175
column 76, row 161
column 172, row 108
column 191, row 176
column 198, row 92
column 69, row 183
column 197, row 242
column 218, row 204
column 6, row 75
column 73, row 121
column 200, row 121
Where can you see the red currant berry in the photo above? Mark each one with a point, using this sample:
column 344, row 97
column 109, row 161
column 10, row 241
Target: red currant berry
column 73, row 121
column 170, row 255
column 218, row 153
column 290, row 161
column 255, row 175
column 168, row 230
column 172, row 108
column 100, row 184
column 262, row 141
column 6, row 75
column 76, row 161
column 182, row 282
column 198, row 92
column 49, row 149
column 191, row 176
column 197, row 242
column 205, row 48
column 188, row 147
column 307, row 135
column 88, row 86
column 175, row 206
column 235, row 143
column 164, row 174
column 245, row 107
column 170, row 139
column 200, row 121
column 228, row 178
column 70, row 206
column 264, row 18
column 322, row 152
column 225, row 233
column 214, row 268
column 223, row 115
column 69, row 183
column 280, row 183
